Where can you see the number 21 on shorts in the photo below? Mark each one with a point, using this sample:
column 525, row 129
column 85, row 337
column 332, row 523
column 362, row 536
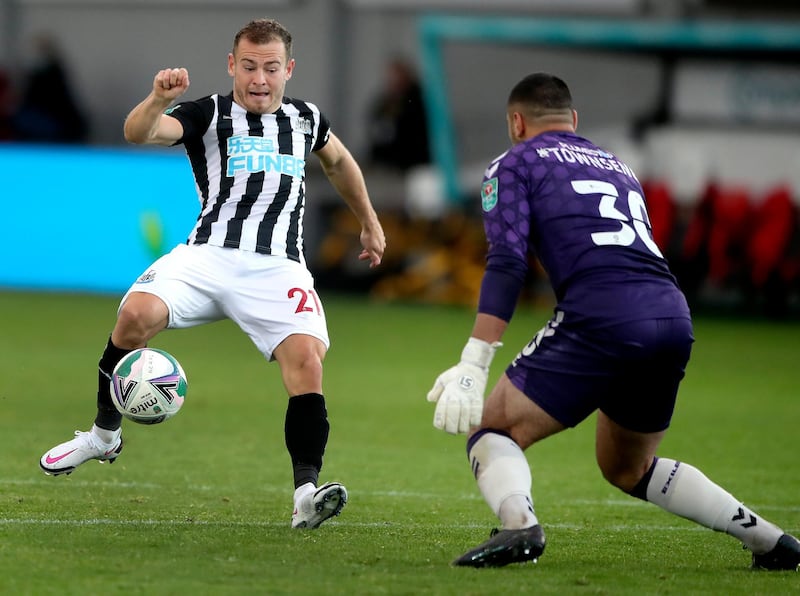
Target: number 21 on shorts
column 306, row 301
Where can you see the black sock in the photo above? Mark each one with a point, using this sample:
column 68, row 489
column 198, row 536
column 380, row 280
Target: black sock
column 107, row 415
column 306, row 431
column 640, row 490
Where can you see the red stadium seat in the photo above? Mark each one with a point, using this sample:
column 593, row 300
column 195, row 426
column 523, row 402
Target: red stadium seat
column 773, row 224
column 662, row 211
column 731, row 212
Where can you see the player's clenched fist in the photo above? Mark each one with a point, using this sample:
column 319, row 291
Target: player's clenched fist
column 458, row 392
column 171, row 82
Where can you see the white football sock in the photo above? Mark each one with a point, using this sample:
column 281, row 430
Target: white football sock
column 504, row 479
column 108, row 437
column 684, row 490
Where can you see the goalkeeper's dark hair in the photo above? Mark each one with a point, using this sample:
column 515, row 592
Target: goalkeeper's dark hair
column 541, row 93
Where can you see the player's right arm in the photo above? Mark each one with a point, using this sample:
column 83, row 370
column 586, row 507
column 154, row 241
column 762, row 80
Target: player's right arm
column 147, row 123
column 458, row 392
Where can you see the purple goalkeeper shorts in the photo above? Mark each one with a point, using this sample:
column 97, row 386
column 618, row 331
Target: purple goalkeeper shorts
column 629, row 371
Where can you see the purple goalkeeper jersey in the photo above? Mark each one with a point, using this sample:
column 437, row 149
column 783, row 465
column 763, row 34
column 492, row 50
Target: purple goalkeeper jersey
column 581, row 211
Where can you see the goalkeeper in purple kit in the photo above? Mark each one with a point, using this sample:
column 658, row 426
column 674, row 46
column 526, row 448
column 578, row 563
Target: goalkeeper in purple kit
column 618, row 343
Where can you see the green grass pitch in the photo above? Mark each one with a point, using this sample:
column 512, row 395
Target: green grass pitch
column 201, row 504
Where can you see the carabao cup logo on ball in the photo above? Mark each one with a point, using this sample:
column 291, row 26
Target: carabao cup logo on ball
column 148, row 386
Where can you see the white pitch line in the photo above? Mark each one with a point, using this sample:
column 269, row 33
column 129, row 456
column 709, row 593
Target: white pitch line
column 392, row 494
column 266, row 524
column 637, row 528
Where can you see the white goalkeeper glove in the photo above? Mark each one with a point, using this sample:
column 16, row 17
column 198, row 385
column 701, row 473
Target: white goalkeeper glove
column 458, row 391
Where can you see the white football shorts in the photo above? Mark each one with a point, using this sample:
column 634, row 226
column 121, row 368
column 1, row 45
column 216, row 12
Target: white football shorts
column 269, row 298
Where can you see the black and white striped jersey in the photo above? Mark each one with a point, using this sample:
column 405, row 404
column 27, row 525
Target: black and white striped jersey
column 249, row 170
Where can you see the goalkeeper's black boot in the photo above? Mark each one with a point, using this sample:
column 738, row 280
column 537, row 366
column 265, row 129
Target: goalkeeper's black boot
column 785, row 556
column 504, row 547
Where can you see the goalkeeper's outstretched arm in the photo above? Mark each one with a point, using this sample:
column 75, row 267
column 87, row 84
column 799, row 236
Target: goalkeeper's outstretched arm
column 459, row 391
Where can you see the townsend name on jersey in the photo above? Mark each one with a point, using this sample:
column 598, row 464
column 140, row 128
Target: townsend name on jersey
column 596, row 158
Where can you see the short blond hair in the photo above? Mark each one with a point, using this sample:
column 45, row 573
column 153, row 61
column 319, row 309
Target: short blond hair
column 262, row 31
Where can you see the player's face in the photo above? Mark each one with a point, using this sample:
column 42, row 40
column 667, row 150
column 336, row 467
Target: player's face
column 259, row 72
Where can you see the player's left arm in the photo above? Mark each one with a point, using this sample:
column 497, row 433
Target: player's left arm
column 347, row 178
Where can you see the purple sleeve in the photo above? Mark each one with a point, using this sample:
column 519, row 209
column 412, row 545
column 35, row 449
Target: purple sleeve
column 501, row 285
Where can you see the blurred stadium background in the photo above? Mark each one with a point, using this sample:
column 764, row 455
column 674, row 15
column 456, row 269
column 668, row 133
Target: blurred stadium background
column 702, row 97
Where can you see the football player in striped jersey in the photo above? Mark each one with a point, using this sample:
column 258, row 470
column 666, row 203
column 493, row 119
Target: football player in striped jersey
column 244, row 258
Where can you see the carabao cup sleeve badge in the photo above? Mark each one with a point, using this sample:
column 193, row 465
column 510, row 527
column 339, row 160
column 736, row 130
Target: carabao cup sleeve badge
column 489, row 194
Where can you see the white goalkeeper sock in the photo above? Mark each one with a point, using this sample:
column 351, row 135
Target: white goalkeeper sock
column 684, row 490
column 504, row 479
